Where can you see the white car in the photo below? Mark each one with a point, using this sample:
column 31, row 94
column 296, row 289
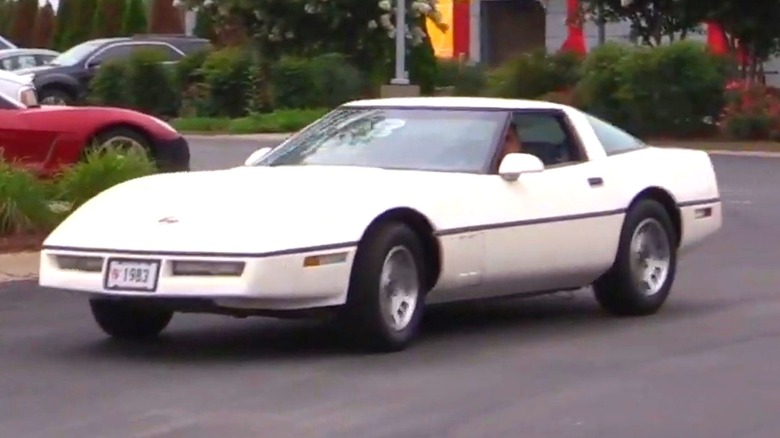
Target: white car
column 384, row 206
column 18, row 89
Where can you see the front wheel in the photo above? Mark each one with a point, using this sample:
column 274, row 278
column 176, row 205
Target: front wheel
column 646, row 264
column 127, row 320
column 387, row 289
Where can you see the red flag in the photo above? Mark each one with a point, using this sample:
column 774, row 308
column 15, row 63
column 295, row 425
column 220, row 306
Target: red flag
column 716, row 39
column 575, row 40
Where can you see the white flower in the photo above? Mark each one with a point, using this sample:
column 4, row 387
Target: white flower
column 626, row 3
column 385, row 5
column 208, row 3
column 385, row 21
column 177, row 3
column 421, row 7
column 372, row 24
column 289, row 35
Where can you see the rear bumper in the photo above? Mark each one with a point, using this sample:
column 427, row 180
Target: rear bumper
column 172, row 155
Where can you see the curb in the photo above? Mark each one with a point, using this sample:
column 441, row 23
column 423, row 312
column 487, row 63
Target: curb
column 239, row 137
column 756, row 154
column 19, row 266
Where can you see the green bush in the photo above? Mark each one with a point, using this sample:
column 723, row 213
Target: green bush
column 422, row 66
column 150, row 84
column 662, row 91
column 24, row 206
column 599, row 87
column 187, row 70
column 337, row 80
column 226, row 74
column 465, row 78
column 101, row 169
column 534, row 74
column 293, row 83
column 108, row 86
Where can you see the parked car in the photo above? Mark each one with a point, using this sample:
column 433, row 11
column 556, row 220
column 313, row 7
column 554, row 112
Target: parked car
column 45, row 139
column 17, row 59
column 66, row 79
column 385, row 206
column 18, row 89
column 5, row 44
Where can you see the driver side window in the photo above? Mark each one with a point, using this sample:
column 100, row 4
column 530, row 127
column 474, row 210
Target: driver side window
column 546, row 135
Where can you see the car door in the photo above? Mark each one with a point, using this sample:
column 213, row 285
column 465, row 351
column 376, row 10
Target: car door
column 26, row 145
column 553, row 229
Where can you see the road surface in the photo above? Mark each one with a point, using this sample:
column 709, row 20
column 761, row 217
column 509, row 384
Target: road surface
column 706, row 366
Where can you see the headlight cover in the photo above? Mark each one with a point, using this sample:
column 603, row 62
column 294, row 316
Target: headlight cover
column 28, row 97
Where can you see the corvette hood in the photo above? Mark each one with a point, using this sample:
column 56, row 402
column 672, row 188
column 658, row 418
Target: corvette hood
column 252, row 210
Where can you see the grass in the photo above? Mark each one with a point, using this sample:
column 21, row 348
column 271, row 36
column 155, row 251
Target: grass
column 280, row 121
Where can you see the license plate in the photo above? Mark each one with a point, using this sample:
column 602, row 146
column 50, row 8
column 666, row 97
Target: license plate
column 132, row 275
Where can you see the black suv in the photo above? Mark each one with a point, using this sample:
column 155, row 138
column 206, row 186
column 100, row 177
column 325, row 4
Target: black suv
column 65, row 80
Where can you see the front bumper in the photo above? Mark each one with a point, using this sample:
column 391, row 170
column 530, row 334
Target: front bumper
column 279, row 282
column 172, row 155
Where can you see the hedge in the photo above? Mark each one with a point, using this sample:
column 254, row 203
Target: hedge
column 668, row 91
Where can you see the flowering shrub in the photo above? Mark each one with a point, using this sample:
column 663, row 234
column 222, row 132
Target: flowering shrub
column 752, row 112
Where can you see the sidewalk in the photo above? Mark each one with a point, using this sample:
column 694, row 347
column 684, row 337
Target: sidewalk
column 18, row 266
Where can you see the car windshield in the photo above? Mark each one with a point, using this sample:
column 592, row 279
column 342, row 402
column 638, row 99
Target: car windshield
column 455, row 140
column 76, row 54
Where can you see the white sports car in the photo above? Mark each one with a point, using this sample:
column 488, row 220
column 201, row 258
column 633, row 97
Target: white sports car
column 384, row 206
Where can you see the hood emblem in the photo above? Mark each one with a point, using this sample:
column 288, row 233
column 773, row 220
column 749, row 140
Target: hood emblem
column 168, row 220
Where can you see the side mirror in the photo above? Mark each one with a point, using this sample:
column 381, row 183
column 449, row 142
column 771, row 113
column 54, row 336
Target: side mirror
column 256, row 156
column 95, row 63
column 513, row 165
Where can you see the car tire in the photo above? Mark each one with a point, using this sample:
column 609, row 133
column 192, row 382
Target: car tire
column 387, row 289
column 647, row 249
column 126, row 320
column 55, row 96
column 122, row 134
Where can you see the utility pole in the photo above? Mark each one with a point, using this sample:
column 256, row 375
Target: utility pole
column 601, row 23
column 400, row 44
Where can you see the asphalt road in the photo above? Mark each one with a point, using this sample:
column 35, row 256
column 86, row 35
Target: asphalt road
column 706, row 366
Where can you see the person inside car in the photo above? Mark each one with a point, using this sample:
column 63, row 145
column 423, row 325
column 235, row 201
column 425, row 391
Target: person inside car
column 512, row 143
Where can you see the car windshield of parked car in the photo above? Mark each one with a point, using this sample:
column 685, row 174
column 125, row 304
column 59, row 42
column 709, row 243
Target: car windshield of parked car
column 433, row 139
column 76, row 54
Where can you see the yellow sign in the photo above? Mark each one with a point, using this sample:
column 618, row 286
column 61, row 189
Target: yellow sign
column 442, row 41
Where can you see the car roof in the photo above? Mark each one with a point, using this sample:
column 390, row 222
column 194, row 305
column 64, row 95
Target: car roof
column 22, row 51
column 456, row 102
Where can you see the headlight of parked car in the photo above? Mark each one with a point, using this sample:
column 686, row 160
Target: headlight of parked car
column 28, row 97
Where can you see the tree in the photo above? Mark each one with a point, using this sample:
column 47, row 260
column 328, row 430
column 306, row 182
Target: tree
column 62, row 27
column 204, row 25
column 23, row 25
column 651, row 20
column 753, row 28
column 134, row 17
column 165, row 18
column 363, row 29
column 107, row 20
column 81, row 23
column 6, row 16
column 44, row 26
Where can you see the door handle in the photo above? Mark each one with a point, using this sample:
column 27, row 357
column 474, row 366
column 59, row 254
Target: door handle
column 596, row 182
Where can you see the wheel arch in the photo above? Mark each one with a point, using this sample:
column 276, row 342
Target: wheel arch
column 70, row 89
column 667, row 200
column 424, row 230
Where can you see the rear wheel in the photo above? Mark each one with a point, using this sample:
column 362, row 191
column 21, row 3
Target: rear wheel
column 55, row 96
column 127, row 320
column 640, row 280
column 387, row 289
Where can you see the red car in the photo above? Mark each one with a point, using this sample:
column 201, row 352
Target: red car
column 47, row 138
